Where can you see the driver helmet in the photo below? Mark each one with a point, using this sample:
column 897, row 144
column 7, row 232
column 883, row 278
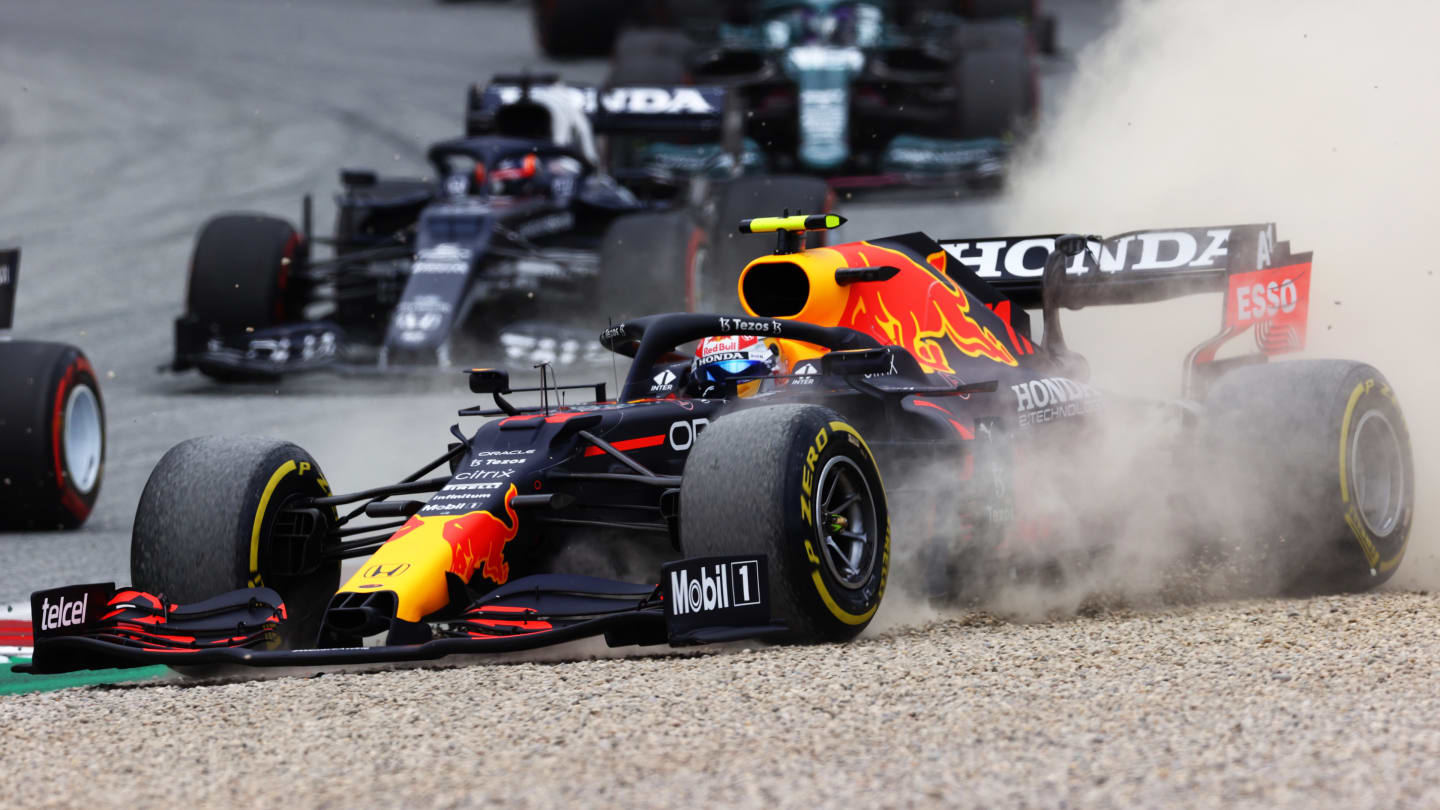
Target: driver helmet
column 744, row 360
column 515, row 176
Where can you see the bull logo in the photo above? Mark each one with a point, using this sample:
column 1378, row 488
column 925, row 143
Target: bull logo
column 927, row 313
column 477, row 541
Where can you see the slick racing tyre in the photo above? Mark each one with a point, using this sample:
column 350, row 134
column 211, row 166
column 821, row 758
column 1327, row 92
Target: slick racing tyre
column 992, row 35
column 240, row 277
column 991, row 9
column 52, row 436
column 798, row 484
column 240, row 273
column 650, row 263
column 1314, row 472
column 995, row 79
column 745, row 198
column 908, row 11
column 214, row 518
column 570, row 28
column 650, row 56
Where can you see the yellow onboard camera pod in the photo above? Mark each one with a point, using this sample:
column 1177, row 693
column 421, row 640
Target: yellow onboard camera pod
column 791, row 228
column 798, row 222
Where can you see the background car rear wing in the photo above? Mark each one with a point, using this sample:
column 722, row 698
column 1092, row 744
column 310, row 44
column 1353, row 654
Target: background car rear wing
column 1265, row 285
column 9, row 280
column 652, row 109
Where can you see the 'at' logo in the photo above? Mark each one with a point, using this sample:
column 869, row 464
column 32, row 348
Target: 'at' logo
column 478, row 540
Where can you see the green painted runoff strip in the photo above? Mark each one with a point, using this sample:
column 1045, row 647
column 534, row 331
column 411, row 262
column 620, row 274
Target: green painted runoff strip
column 15, row 683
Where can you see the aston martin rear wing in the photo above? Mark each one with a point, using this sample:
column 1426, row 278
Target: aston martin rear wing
column 1265, row 285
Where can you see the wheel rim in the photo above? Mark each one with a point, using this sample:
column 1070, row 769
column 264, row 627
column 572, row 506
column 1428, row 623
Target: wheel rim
column 84, row 441
column 1377, row 473
column 845, row 522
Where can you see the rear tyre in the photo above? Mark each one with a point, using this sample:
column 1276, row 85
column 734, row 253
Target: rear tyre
column 1319, row 484
column 571, row 28
column 209, row 518
column 650, row 263
column 745, row 198
column 650, row 56
column 1011, row 36
column 798, row 484
column 996, row 86
column 991, row 9
column 52, row 436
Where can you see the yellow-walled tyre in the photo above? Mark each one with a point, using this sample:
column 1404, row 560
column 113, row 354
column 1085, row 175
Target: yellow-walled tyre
column 213, row 517
column 797, row 483
column 1313, row 482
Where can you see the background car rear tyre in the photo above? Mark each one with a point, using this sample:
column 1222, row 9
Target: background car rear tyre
column 991, row 9
column 570, row 28
column 650, row 56
column 996, row 85
column 760, row 481
column 908, row 12
column 1314, row 472
column 1011, row 36
column 52, row 436
column 210, row 508
column 650, row 263
column 746, row 198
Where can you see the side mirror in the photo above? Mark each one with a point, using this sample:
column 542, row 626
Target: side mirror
column 358, row 178
column 489, row 381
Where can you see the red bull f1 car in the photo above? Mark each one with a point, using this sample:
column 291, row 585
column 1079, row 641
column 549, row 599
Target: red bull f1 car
column 746, row 487
column 52, row 425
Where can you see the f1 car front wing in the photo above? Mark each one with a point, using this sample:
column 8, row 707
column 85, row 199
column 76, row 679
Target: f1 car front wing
column 99, row 627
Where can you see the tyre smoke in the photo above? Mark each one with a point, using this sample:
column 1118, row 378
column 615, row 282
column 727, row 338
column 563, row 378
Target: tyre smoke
column 1318, row 116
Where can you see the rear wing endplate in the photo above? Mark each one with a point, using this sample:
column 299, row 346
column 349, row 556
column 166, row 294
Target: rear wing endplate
column 9, row 280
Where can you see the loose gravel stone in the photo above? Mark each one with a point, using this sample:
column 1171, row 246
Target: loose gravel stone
column 1277, row 703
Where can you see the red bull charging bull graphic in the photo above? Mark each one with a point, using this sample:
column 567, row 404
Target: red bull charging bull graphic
column 477, row 542
column 920, row 308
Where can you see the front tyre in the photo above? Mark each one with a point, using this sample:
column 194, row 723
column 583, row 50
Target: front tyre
column 798, row 484
column 216, row 516
column 52, row 436
column 1317, row 472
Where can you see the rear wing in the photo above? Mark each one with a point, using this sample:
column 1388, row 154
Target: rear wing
column 1266, row 286
column 9, row 280
column 1129, row 268
column 660, row 110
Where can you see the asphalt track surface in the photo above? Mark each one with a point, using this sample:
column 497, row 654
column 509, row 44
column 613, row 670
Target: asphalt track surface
column 124, row 124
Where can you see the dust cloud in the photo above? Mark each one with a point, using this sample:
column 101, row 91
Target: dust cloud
column 1318, row 116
